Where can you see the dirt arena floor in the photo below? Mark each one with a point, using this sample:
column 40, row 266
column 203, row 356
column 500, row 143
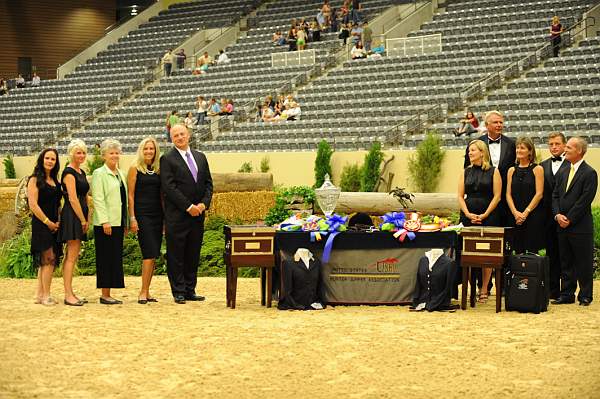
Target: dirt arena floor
column 204, row 350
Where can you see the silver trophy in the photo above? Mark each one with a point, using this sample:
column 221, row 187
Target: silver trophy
column 327, row 196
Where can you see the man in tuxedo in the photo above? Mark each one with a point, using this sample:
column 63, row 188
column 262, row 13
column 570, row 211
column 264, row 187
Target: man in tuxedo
column 553, row 165
column 502, row 155
column 187, row 186
column 572, row 198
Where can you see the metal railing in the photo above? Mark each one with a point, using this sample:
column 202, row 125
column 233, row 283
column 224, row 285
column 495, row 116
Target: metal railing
column 417, row 123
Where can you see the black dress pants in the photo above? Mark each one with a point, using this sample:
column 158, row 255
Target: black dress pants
column 577, row 264
column 184, row 241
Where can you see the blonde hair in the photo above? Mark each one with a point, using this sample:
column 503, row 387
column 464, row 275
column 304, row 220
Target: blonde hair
column 555, row 20
column 74, row 146
column 139, row 159
column 490, row 113
column 109, row 144
column 528, row 143
column 481, row 146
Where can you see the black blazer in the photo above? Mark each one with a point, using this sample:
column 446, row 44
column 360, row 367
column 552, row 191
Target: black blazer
column 508, row 155
column 576, row 204
column 549, row 181
column 179, row 188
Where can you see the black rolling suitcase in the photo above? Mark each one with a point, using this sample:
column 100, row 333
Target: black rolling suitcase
column 527, row 288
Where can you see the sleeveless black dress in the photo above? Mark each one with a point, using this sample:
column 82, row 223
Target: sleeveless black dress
column 42, row 239
column 479, row 190
column 530, row 235
column 149, row 214
column 70, row 225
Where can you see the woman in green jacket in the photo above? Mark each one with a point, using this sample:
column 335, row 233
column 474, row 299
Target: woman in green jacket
column 109, row 193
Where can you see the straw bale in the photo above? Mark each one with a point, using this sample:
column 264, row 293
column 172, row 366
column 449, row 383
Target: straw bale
column 247, row 206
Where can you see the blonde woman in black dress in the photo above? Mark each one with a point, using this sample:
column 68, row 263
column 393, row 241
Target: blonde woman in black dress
column 43, row 196
column 479, row 192
column 145, row 209
column 75, row 215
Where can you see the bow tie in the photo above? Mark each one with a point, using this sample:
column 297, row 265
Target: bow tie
column 557, row 159
column 497, row 141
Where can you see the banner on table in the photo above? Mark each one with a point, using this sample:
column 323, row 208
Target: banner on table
column 371, row 276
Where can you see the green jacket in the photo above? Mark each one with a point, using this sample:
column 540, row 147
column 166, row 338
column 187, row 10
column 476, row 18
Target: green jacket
column 106, row 194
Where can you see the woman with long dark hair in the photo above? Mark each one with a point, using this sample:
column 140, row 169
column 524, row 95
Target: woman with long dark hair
column 43, row 195
column 145, row 209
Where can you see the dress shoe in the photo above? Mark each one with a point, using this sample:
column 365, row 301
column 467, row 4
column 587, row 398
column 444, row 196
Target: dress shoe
column 179, row 299
column 150, row 299
column 142, row 301
column 78, row 303
column 585, row 302
column 562, row 301
column 111, row 301
column 195, row 297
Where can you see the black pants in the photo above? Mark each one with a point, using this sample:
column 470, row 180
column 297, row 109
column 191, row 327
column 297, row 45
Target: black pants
column 184, row 241
column 576, row 264
column 109, row 258
column 556, row 45
column 553, row 254
column 168, row 69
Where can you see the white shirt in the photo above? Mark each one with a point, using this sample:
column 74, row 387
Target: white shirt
column 576, row 166
column 495, row 150
column 223, row 59
column 557, row 164
column 35, row 81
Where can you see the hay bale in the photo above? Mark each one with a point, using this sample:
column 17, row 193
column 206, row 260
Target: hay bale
column 245, row 206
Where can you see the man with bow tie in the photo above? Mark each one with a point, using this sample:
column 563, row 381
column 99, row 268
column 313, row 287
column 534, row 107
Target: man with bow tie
column 502, row 155
column 553, row 165
column 574, row 191
column 187, row 187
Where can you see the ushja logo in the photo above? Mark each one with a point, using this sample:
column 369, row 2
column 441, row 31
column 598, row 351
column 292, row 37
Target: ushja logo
column 387, row 265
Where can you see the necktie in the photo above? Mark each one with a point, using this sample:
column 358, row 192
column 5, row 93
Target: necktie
column 557, row 159
column 191, row 165
column 492, row 141
column 571, row 174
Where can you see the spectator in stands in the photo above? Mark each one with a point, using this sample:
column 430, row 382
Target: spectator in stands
column 345, row 12
column 355, row 13
column 172, row 120
column 344, row 33
column 356, row 33
column 109, row 193
column 189, row 121
column 379, row 48
column 358, row 51
column 301, row 38
column 181, row 57
column 267, row 114
column 278, row 39
column 223, row 59
column 145, row 209
column 479, row 193
column 315, row 31
column 293, row 111
column 20, row 81
column 555, row 30
column 35, row 80
column 292, row 39
column 326, row 12
column 320, row 19
column 482, row 129
column 3, row 87
column 270, row 102
column 168, row 126
column 367, row 36
column 202, row 107
column 202, row 64
column 468, row 125
column 74, row 217
column 279, row 107
column 167, row 61
column 225, row 108
column 44, row 196
column 213, row 108
column 335, row 22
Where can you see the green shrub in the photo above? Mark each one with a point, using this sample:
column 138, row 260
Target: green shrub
column 350, row 179
column 425, row 167
column 322, row 163
column 95, row 162
column 369, row 176
column 265, row 165
column 9, row 167
column 245, row 168
column 285, row 197
column 15, row 256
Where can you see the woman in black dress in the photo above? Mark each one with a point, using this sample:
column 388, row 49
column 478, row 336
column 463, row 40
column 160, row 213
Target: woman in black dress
column 145, row 209
column 109, row 192
column 43, row 196
column 74, row 216
column 524, row 192
column 479, row 191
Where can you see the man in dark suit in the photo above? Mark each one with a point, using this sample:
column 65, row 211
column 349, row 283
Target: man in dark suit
column 187, row 186
column 572, row 198
column 502, row 155
column 553, row 165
